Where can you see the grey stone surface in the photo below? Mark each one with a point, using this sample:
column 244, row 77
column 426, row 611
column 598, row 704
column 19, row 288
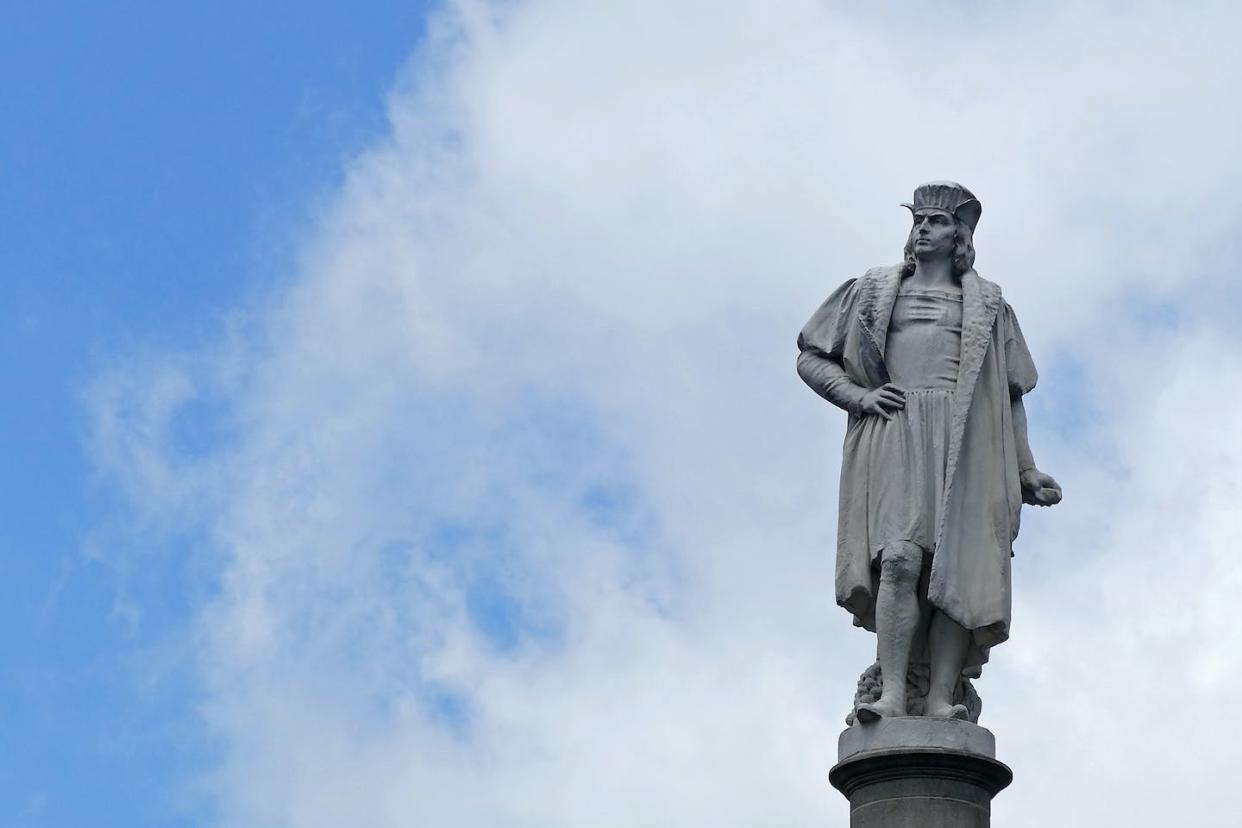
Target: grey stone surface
column 919, row 772
column 916, row 732
column 922, row 812
column 931, row 365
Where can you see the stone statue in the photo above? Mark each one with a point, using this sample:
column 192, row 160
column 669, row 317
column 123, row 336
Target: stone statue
column 931, row 365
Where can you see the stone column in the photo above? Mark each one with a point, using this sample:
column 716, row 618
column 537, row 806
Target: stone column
column 919, row 772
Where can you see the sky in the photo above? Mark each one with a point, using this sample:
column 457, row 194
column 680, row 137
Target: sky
column 404, row 426
column 157, row 162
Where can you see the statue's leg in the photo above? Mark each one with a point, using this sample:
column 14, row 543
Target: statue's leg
column 947, row 641
column 896, row 621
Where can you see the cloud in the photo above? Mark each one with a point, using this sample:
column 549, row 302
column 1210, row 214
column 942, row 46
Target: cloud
column 518, row 511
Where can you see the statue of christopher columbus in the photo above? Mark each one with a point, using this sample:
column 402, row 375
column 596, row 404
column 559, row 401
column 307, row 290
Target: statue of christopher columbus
column 931, row 365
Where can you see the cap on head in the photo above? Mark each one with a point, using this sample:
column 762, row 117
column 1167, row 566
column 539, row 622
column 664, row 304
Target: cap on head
column 948, row 197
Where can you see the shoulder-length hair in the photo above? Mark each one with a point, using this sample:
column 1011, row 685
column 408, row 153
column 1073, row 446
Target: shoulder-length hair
column 963, row 249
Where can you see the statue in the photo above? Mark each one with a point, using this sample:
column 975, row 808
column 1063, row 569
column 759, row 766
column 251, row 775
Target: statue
column 931, row 365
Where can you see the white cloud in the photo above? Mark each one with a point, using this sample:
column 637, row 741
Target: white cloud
column 569, row 282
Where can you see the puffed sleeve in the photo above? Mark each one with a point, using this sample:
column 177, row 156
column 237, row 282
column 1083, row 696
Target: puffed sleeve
column 1019, row 365
column 820, row 347
column 825, row 330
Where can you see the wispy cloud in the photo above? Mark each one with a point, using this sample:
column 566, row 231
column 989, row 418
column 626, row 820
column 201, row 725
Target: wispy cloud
column 523, row 517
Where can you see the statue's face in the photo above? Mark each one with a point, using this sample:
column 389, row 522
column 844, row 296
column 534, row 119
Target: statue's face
column 932, row 234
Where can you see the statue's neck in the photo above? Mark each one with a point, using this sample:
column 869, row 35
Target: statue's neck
column 933, row 273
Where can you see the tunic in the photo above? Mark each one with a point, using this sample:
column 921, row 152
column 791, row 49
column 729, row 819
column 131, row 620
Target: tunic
column 897, row 466
column 925, row 339
column 892, row 481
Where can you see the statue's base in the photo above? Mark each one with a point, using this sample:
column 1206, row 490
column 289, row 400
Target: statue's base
column 919, row 772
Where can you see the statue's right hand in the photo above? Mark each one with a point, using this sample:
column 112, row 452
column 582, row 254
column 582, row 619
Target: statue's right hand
column 883, row 401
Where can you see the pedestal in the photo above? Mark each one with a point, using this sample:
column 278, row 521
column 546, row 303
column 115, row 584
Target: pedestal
column 919, row 772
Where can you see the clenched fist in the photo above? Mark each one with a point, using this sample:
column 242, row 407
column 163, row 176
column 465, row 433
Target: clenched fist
column 1039, row 489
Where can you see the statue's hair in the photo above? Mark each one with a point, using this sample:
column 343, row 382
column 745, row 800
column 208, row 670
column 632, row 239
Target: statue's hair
column 963, row 249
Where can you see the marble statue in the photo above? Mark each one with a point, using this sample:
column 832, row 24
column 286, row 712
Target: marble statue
column 930, row 363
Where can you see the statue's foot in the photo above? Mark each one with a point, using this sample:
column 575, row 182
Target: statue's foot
column 874, row 711
column 948, row 711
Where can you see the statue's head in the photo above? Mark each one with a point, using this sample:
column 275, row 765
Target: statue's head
column 945, row 216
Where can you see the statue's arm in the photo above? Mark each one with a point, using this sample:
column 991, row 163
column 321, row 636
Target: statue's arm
column 1026, row 460
column 1038, row 489
column 827, row 378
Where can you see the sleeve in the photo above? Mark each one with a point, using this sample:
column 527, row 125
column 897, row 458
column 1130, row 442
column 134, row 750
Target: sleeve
column 1019, row 366
column 820, row 347
column 825, row 330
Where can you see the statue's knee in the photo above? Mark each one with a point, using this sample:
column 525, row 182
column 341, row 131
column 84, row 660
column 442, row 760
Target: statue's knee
column 901, row 563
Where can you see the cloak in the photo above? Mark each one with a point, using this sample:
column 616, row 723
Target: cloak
column 842, row 357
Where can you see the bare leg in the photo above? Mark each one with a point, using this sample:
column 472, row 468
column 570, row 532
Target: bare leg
column 947, row 641
column 896, row 621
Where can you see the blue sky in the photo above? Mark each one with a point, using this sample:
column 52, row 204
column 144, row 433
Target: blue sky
column 156, row 162
column 403, row 425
